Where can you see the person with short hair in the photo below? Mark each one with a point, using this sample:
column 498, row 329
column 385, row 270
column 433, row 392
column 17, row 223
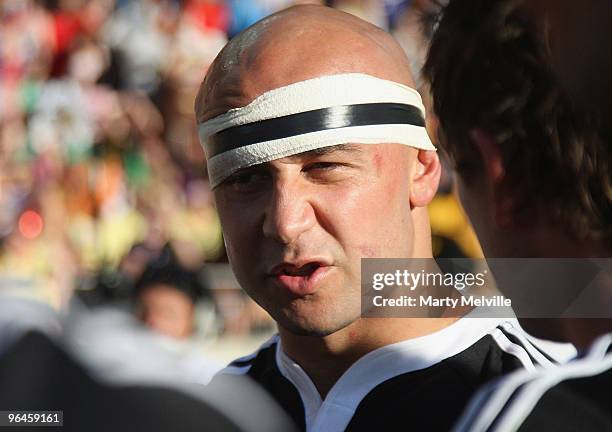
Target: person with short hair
column 318, row 157
column 534, row 170
column 166, row 296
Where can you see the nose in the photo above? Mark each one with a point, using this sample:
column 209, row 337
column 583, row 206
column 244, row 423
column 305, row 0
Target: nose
column 289, row 213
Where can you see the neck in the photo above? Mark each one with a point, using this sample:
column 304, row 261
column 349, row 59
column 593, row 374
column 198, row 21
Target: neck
column 326, row 358
column 589, row 317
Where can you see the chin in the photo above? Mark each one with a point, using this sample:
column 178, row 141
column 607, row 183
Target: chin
column 307, row 326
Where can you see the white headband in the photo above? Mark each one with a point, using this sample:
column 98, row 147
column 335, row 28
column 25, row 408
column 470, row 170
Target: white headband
column 320, row 112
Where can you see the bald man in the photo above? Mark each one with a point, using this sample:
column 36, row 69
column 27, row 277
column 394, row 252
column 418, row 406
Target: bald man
column 318, row 157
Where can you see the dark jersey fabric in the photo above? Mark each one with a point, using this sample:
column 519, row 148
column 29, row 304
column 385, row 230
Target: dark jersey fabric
column 429, row 399
column 580, row 404
column 573, row 397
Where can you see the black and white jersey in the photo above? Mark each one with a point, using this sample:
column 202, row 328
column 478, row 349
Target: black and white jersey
column 421, row 384
column 574, row 397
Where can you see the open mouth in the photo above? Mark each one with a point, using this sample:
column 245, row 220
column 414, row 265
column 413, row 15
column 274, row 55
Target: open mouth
column 300, row 280
column 303, row 271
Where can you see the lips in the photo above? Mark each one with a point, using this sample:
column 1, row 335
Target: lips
column 300, row 280
column 292, row 270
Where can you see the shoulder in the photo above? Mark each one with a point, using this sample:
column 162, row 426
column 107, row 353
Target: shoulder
column 264, row 357
column 262, row 368
column 516, row 344
column 568, row 397
column 501, row 346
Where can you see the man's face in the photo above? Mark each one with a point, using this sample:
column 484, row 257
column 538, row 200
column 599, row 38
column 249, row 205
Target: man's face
column 296, row 229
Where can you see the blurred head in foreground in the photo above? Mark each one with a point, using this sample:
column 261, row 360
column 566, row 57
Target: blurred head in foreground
column 301, row 185
column 533, row 160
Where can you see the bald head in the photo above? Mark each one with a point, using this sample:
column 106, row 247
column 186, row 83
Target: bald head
column 293, row 45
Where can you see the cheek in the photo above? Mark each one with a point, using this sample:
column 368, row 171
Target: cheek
column 368, row 251
column 368, row 221
column 346, row 214
column 240, row 230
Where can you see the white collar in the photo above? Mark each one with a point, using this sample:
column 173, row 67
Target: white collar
column 335, row 412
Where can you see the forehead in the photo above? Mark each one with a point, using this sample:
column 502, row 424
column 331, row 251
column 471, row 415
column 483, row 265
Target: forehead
column 164, row 293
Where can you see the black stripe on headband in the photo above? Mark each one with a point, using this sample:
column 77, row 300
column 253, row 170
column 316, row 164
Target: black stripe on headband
column 313, row 121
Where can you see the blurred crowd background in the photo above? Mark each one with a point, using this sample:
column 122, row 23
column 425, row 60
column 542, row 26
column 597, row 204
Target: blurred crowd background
column 104, row 195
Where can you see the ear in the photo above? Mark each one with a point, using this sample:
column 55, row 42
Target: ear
column 426, row 178
column 495, row 174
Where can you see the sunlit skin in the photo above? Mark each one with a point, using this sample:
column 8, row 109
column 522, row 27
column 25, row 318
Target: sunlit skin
column 324, row 210
column 324, row 207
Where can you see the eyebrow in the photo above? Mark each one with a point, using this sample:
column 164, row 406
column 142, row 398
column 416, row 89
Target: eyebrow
column 322, row 151
column 340, row 148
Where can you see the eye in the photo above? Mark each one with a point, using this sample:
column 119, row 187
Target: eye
column 326, row 166
column 240, row 178
column 244, row 181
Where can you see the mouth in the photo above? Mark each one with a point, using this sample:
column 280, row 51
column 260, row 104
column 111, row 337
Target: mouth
column 300, row 279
